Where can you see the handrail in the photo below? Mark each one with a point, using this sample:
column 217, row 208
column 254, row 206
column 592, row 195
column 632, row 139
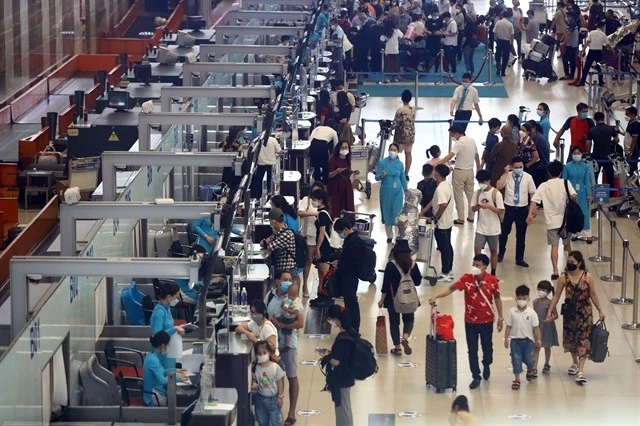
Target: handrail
column 121, row 28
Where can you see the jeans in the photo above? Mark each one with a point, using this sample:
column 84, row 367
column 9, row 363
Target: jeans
column 569, row 61
column 256, row 184
column 394, row 324
column 485, row 332
column 450, row 58
column 267, row 410
column 517, row 215
column 443, row 240
column 518, row 38
column 521, row 352
column 592, row 56
column 503, row 48
column 467, row 54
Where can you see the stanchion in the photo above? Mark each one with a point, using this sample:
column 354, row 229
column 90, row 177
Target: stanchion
column 612, row 277
column 562, row 159
column 489, row 59
column 382, row 79
column 441, row 82
column 599, row 257
column 623, row 300
column 635, row 323
column 416, row 94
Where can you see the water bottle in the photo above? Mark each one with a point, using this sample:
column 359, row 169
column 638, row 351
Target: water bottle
column 236, row 297
column 243, row 296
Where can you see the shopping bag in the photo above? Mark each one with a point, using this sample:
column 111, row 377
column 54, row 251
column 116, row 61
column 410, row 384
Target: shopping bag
column 175, row 346
column 381, row 334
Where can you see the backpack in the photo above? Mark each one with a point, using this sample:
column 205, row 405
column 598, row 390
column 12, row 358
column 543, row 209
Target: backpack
column 362, row 363
column 573, row 221
column 599, row 342
column 406, row 300
column 494, row 195
column 300, row 255
column 367, row 268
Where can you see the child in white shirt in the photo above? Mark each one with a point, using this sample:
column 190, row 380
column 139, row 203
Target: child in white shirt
column 290, row 308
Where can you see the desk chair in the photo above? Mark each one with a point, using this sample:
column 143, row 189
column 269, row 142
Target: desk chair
column 133, row 384
column 147, row 308
column 98, row 384
column 129, row 368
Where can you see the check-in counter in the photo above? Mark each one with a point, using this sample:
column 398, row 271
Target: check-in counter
column 233, row 370
column 255, row 281
column 223, row 412
column 298, row 158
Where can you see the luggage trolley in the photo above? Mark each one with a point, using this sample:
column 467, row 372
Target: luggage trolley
column 365, row 158
column 425, row 249
column 364, row 225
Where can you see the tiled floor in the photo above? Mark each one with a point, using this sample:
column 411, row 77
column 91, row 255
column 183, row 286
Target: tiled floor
column 610, row 397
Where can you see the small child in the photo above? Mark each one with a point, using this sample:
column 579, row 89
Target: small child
column 522, row 330
column 548, row 332
column 427, row 186
column 290, row 308
column 268, row 382
column 433, row 154
column 491, row 141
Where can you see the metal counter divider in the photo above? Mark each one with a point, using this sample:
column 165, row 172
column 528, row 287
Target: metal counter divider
column 235, row 30
column 191, row 72
column 241, row 92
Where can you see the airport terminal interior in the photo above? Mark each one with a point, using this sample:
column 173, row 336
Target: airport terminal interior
column 123, row 124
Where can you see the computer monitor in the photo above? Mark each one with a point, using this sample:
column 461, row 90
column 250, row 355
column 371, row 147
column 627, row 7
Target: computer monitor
column 142, row 73
column 185, row 40
column 196, row 23
column 166, row 57
column 118, row 99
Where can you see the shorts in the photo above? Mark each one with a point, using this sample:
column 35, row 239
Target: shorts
column 405, row 147
column 492, row 240
column 289, row 362
column 311, row 240
column 553, row 239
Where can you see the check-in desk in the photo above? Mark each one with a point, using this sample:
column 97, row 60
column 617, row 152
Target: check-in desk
column 255, row 281
column 223, row 412
column 233, row 370
column 298, row 159
column 110, row 131
column 290, row 185
column 201, row 36
column 142, row 93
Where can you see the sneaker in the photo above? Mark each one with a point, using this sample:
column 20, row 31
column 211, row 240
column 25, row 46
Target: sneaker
column 446, row 278
column 474, row 384
column 486, row 373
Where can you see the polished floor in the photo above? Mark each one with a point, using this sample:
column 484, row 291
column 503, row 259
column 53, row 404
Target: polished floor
column 611, row 395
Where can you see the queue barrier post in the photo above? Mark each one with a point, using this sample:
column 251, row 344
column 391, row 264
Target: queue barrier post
column 562, row 159
column 599, row 257
column 611, row 277
column 416, row 94
column 489, row 59
column 623, row 300
column 382, row 79
column 441, row 82
column 635, row 322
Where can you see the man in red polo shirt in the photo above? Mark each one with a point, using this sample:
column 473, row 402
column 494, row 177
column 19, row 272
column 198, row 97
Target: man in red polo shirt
column 481, row 291
column 579, row 126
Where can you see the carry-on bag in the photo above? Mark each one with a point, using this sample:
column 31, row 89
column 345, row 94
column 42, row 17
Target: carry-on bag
column 441, row 369
column 381, row 334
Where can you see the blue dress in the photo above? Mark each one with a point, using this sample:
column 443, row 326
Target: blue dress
column 578, row 175
column 392, row 189
column 162, row 319
column 545, row 123
column 202, row 227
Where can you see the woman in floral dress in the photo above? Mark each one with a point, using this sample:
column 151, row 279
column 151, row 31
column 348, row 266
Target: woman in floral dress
column 577, row 312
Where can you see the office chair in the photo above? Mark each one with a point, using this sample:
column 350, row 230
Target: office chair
column 147, row 308
column 128, row 400
column 129, row 368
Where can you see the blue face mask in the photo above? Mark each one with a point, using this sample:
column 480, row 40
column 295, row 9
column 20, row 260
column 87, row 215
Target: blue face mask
column 173, row 303
column 584, row 115
column 518, row 171
column 284, row 285
column 342, row 236
column 393, row 155
column 466, row 85
column 577, row 157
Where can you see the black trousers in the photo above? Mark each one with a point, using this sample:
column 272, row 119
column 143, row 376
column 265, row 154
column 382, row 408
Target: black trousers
column 319, row 159
column 607, row 167
column 462, row 118
column 443, row 241
column 569, row 61
column 450, row 58
column 517, row 215
column 503, row 48
column 485, row 333
column 256, row 183
column 349, row 289
column 394, row 324
column 592, row 56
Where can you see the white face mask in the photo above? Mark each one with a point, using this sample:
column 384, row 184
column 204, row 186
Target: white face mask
column 475, row 271
column 484, row 186
column 393, row 155
column 314, row 204
column 521, row 303
column 626, row 118
column 262, row 358
column 344, row 152
column 333, row 323
column 542, row 293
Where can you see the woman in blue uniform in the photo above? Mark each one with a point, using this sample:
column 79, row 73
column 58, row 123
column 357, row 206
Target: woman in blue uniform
column 161, row 318
column 390, row 171
column 155, row 370
column 206, row 234
column 579, row 174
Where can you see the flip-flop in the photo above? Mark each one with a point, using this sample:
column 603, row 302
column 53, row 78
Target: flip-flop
column 289, row 421
column 405, row 345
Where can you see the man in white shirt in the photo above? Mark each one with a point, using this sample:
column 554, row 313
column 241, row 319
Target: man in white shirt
column 466, row 153
column 334, row 97
column 323, row 140
column 553, row 195
column 596, row 41
column 450, row 42
column 487, row 201
column 443, row 218
column 267, row 158
column 518, row 187
column 465, row 99
column 503, row 32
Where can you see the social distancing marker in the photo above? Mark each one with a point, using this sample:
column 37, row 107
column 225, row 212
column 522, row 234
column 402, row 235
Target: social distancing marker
column 309, row 362
column 519, row 417
column 413, row 337
column 318, row 336
column 114, row 137
column 407, row 364
column 309, row 413
column 410, row 414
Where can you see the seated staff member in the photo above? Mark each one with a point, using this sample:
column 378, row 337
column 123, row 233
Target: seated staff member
column 155, row 369
column 206, row 234
column 191, row 294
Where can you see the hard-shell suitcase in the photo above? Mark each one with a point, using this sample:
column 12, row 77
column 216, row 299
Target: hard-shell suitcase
column 441, row 369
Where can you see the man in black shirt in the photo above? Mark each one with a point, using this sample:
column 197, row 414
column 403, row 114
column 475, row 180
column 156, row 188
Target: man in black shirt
column 427, row 187
column 603, row 138
column 347, row 272
column 611, row 23
column 494, row 13
column 433, row 27
column 631, row 145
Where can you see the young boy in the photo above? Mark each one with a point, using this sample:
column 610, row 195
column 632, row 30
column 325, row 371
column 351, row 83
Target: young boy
column 290, row 308
column 427, row 186
column 488, row 202
column 523, row 332
column 492, row 140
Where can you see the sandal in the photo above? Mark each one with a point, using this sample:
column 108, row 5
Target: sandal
column 396, row 352
column 581, row 379
column 405, row 345
column 534, row 373
column 530, row 376
column 555, row 276
column 546, row 369
column 290, row 421
column 458, row 222
column 573, row 370
column 515, row 385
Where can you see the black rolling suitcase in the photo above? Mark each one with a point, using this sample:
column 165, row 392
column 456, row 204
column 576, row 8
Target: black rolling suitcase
column 441, row 369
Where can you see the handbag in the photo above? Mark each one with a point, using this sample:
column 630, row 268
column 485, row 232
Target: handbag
column 569, row 307
column 381, row 334
column 334, row 240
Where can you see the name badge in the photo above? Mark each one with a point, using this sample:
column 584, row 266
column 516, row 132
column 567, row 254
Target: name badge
column 395, row 184
column 577, row 187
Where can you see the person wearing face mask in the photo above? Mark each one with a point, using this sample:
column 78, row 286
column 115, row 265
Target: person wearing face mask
column 544, row 113
column 502, row 154
column 518, row 27
column 394, row 182
column 603, row 138
column 308, row 212
column 450, row 43
column 443, row 219
column 579, row 174
column 340, row 187
column 503, row 33
column 346, row 272
column 580, row 294
column 281, row 244
column 155, row 370
column 161, row 317
column 487, row 202
column 579, row 126
column 404, row 128
column 596, row 41
column 289, row 351
column 481, row 292
column 465, row 99
column 518, row 187
column 402, row 19
column 433, row 30
column 559, row 25
column 459, row 16
column 268, row 383
column 522, row 335
column 548, row 331
column 631, row 135
column 528, row 150
column 259, row 328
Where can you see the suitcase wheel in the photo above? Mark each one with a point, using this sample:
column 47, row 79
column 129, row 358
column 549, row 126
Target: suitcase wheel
column 432, row 281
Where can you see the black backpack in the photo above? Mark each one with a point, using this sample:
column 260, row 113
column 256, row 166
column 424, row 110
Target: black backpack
column 362, row 364
column 367, row 268
column 300, row 256
column 573, row 217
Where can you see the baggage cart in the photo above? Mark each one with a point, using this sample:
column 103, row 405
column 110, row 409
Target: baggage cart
column 441, row 365
column 363, row 222
column 425, row 249
column 360, row 162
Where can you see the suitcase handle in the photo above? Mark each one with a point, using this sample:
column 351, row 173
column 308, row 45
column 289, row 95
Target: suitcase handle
column 432, row 331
